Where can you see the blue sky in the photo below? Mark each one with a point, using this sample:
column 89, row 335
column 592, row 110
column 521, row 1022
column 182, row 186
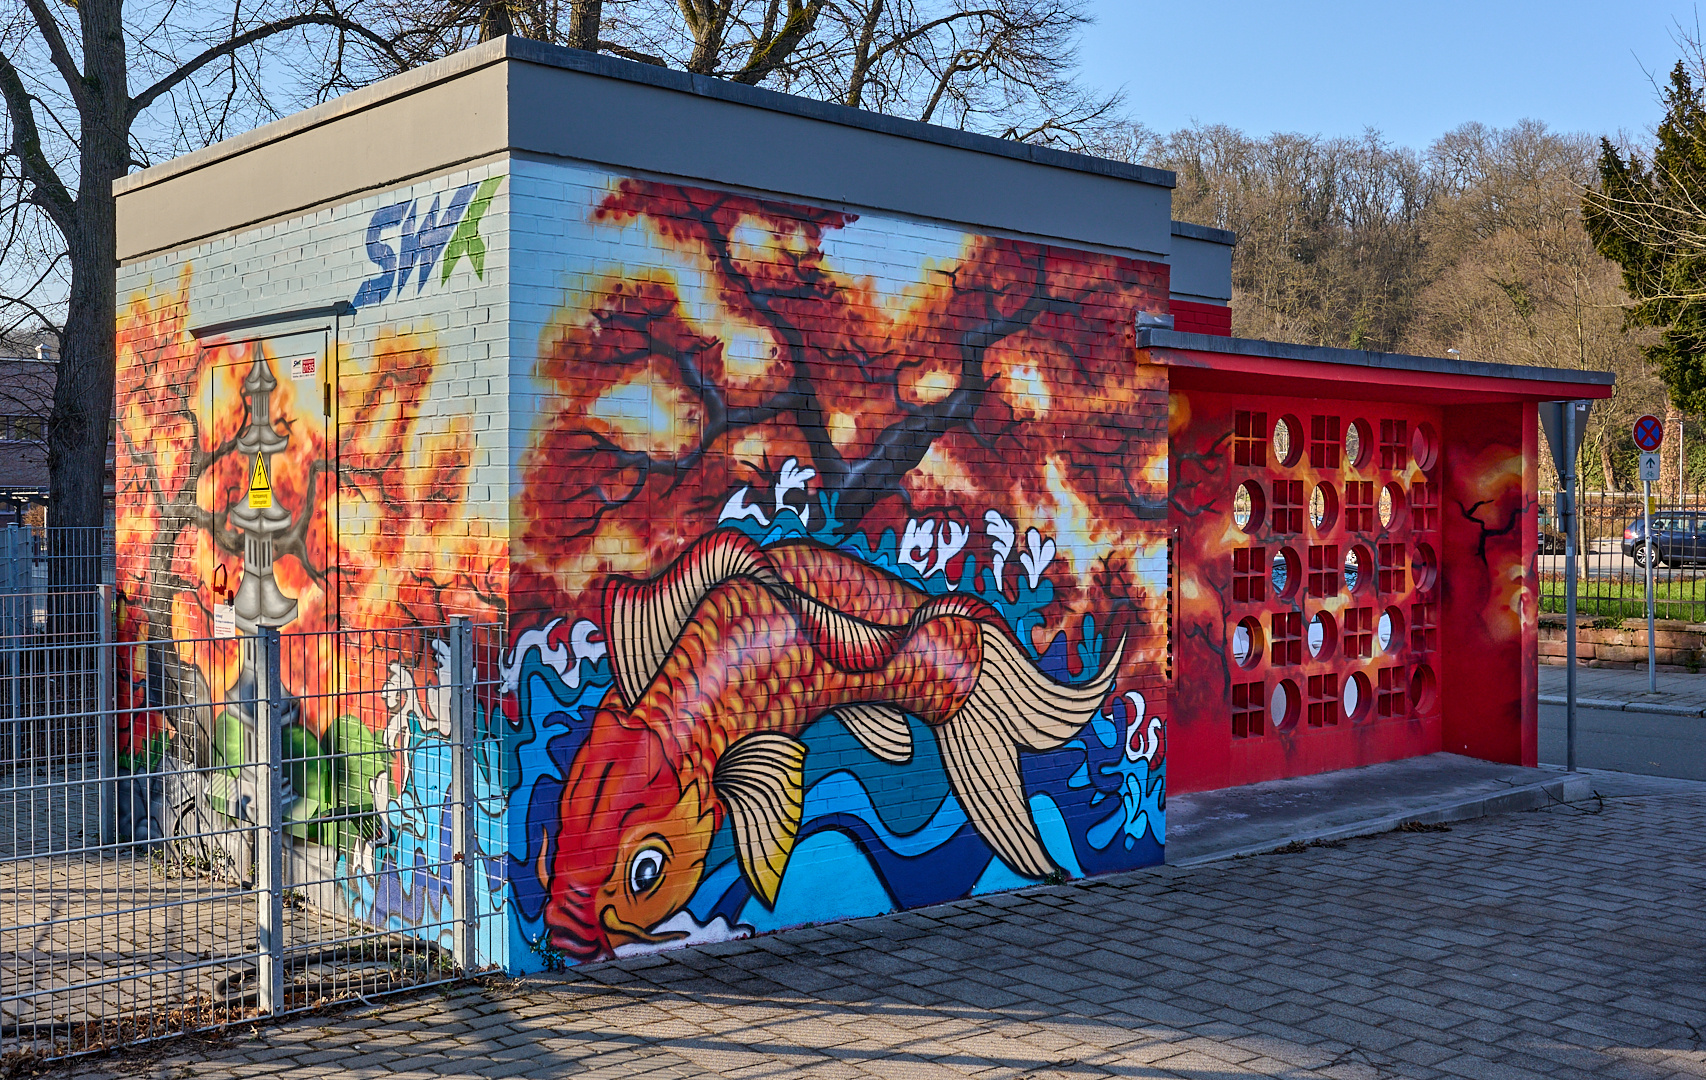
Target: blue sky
column 1413, row 70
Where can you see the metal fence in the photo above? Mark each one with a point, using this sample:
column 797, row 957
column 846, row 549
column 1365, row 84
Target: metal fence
column 39, row 563
column 1611, row 577
column 195, row 832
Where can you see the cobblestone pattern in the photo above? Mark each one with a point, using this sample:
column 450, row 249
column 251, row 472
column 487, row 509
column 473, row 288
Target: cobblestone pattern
column 1560, row 943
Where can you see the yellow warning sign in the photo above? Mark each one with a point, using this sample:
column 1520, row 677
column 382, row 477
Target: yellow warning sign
column 260, row 488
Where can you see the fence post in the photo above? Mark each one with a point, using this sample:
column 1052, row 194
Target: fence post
column 269, row 840
column 105, row 718
column 464, row 837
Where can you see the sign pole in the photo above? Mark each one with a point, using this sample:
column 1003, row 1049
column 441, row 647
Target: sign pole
column 1652, row 557
column 1569, row 470
column 1649, row 435
column 1565, row 423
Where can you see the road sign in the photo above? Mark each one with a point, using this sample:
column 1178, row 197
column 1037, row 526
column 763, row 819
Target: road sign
column 1552, row 419
column 1649, row 433
column 1650, row 468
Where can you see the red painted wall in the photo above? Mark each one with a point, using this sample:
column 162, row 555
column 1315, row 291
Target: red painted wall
column 1226, row 727
column 1490, row 593
column 1193, row 318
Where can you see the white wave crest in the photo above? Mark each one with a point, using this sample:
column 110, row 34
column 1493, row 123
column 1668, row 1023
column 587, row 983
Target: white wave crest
column 698, row 933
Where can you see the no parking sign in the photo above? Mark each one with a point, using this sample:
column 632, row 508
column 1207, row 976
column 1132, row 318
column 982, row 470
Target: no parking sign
column 1649, row 433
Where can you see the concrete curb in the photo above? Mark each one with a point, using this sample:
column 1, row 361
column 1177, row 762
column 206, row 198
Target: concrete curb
column 1566, row 788
column 1608, row 704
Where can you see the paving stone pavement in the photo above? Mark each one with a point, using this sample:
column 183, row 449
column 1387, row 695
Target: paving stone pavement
column 1679, row 693
column 1568, row 942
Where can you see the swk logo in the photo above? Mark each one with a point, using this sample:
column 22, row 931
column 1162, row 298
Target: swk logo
column 421, row 238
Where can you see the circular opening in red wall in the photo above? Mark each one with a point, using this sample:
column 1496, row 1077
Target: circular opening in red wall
column 1391, row 506
column 1359, row 569
column 1424, row 446
column 1322, row 635
column 1424, row 690
column 1288, row 441
column 1286, row 574
column 1284, row 705
column 1247, row 642
column 1359, row 443
column 1424, row 567
column 1248, row 506
column 1357, row 698
column 1389, row 630
column 1323, row 507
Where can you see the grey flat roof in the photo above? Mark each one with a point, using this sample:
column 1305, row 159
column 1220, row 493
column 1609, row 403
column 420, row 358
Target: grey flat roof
column 1321, row 354
column 1193, row 231
column 514, row 96
column 610, row 67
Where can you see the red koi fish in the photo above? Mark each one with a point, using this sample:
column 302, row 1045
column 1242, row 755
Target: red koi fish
column 720, row 662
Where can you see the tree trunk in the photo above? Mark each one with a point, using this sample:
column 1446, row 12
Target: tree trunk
column 79, row 428
column 585, row 18
column 495, row 21
column 855, row 97
column 1665, row 490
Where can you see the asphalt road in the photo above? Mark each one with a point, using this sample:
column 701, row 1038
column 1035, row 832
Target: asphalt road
column 1652, row 744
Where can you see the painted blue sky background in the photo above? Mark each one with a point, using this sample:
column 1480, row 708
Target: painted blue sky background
column 1412, row 70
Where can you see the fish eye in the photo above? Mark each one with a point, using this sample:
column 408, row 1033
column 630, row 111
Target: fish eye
column 645, row 870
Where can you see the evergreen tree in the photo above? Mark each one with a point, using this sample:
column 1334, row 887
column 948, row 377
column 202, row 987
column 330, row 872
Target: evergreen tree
column 1649, row 217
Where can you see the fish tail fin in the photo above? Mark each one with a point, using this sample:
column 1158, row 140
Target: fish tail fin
column 880, row 728
column 1013, row 705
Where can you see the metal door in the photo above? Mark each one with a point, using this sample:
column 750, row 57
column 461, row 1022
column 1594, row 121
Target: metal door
column 269, row 485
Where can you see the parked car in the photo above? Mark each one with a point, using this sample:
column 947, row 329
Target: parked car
column 1679, row 536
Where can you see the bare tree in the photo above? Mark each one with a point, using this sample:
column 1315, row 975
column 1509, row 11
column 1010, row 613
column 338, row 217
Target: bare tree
column 1005, row 67
column 1329, row 230
column 741, row 40
column 93, row 89
column 1514, row 276
column 1476, row 245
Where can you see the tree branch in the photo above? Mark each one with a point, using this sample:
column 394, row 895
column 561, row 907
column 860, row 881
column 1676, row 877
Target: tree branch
column 57, row 50
column 631, row 54
column 769, row 53
column 51, row 194
column 225, row 48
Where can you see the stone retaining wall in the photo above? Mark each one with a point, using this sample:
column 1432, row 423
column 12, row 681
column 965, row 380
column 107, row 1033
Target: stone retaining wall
column 1680, row 646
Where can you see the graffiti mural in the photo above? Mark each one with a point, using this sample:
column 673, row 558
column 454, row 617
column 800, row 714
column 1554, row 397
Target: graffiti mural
column 320, row 486
column 831, row 557
column 841, row 572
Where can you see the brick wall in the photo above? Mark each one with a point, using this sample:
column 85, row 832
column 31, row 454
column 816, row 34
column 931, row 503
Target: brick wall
column 917, row 468
column 1191, row 317
column 860, row 413
column 413, row 530
column 1310, row 618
